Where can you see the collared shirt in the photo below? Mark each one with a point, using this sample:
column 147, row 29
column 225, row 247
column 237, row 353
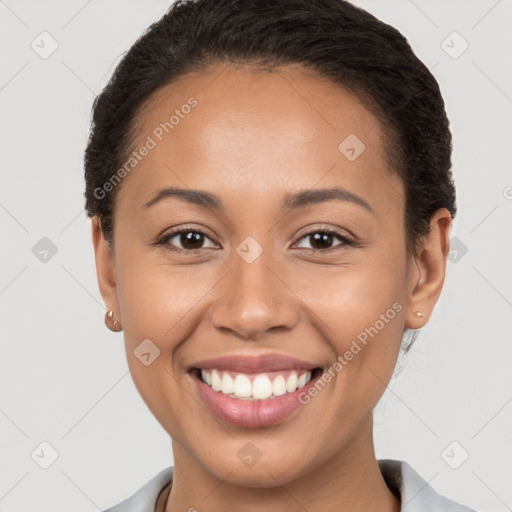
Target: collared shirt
column 415, row 493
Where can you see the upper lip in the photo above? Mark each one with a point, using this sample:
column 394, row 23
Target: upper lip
column 253, row 364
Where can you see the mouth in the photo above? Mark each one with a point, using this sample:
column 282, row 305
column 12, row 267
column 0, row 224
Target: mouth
column 264, row 377
column 253, row 392
column 255, row 386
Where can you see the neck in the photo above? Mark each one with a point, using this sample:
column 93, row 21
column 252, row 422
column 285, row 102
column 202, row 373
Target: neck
column 351, row 476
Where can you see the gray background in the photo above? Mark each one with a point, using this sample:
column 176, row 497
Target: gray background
column 64, row 376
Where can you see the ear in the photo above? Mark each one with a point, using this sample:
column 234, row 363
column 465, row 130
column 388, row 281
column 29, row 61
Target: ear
column 427, row 279
column 105, row 267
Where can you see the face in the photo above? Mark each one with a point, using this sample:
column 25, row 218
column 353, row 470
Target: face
column 293, row 264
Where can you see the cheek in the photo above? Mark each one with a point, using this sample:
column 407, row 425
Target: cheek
column 350, row 300
column 360, row 311
column 157, row 299
column 160, row 303
column 156, row 303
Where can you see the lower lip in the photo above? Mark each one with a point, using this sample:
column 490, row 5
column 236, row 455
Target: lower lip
column 251, row 413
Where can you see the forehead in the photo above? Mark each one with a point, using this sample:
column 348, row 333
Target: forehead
column 242, row 133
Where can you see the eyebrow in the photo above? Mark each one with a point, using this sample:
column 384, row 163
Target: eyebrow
column 290, row 202
column 198, row 197
column 309, row 197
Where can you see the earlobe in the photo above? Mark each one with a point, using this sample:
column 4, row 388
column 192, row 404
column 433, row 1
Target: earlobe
column 105, row 267
column 430, row 259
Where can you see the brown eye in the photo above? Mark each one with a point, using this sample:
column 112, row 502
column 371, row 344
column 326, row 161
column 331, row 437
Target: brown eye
column 191, row 240
column 323, row 240
column 185, row 240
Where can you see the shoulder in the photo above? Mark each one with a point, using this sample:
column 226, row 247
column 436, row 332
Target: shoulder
column 415, row 493
column 144, row 500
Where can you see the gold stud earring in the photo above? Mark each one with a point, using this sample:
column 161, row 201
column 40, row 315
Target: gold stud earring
column 418, row 314
column 112, row 324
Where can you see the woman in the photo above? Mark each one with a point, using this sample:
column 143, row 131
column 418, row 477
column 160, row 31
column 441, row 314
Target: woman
column 271, row 199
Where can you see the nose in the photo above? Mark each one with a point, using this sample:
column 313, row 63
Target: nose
column 254, row 299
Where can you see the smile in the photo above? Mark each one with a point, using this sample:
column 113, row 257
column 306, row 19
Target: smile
column 262, row 386
column 253, row 392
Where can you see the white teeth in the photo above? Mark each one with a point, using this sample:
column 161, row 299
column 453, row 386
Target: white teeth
column 261, row 388
column 216, row 381
column 279, row 386
column 243, row 386
column 291, row 382
column 228, row 384
column 206, row 376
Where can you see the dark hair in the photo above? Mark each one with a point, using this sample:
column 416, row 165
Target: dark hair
column 338, row 40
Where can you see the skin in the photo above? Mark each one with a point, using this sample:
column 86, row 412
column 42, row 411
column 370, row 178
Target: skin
column 254, row 137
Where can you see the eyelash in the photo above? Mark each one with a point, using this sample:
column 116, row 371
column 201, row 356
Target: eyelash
column 165, row 238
